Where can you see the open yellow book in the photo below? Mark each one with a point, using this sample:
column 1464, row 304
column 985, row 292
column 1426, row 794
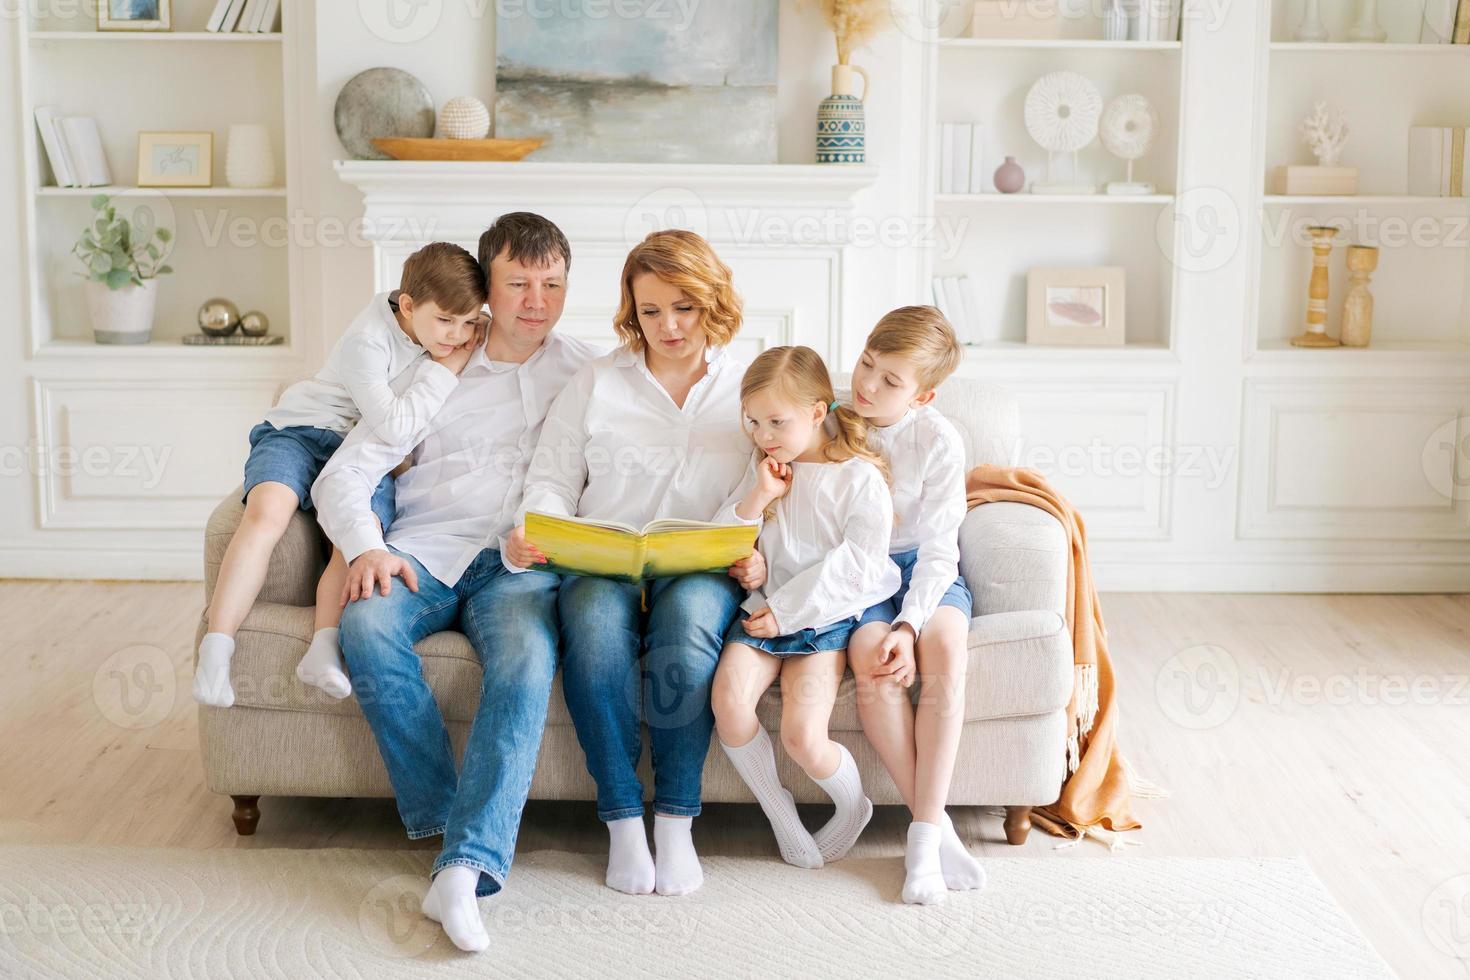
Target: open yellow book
column 578, row 546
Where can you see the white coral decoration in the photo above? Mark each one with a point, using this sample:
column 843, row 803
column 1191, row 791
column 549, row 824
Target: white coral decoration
column 1325, row 134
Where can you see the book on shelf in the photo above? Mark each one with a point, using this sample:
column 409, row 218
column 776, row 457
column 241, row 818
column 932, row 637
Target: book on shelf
column 578, row 546
column 958, row 298
column 1437, row 161
column 1157, row 20
column 270, row 21
column 49, row 125
column 217, row 16
column 961, row 158
column 84, row 151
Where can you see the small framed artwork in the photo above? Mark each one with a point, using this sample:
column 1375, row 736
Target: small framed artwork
column 134, row 15
column 175, row 159
column 1077, row 307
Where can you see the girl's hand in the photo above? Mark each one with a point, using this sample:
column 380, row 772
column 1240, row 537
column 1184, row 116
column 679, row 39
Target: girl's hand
column 762, row 625
column 896, row 657
column 520, row 552
column 772, row 480
column 750, row 572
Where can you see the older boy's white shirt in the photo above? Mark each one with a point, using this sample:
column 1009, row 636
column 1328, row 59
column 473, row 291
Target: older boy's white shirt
column 826, row 548
column 461, row 494
column 615, row 447
column 375, row 374
column 926, row 457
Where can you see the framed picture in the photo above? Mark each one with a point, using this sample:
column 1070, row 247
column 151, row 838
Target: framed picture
column 134, row 15
column 175, row 159
column 1078, row 307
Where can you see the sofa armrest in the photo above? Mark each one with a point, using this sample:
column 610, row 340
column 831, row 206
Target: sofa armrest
column 295, row 566
column 1014, row 557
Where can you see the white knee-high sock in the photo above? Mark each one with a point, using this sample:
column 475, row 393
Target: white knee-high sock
column 322, row 666
column 629, row 864
column 962, row 871
column 923, row 882
column 451, row 902
column 755, row 761
column 854, row 810
column 676, row 869
column 212, row 675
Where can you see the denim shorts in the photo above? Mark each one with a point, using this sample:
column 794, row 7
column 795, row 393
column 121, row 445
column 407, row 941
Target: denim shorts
column 295, row 456
column 957, row 595
column 821, row 639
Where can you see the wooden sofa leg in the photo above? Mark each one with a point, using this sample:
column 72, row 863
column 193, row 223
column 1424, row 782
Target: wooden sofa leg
column 246, row 815
column 1018, row 824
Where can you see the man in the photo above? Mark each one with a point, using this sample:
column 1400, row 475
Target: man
column 456, row 505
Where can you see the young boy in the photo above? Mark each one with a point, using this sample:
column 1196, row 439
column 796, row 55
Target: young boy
column 392, row 369
column 905, row 359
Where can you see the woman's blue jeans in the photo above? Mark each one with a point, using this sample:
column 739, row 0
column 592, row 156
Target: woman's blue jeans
column 622, row 666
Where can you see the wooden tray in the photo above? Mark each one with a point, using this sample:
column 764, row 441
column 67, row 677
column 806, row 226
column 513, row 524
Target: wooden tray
column 409, row 148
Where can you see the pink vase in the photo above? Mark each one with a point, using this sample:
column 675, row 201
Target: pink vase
column 1009, row 177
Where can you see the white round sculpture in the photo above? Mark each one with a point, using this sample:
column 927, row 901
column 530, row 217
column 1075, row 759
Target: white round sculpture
column 1128, row 129
column 464, row 118
column 1062, row 113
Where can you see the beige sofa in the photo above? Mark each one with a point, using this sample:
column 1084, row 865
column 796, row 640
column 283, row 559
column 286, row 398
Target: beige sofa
column 282, row 738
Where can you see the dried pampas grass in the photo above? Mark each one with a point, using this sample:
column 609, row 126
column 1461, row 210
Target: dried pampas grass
column 855, row 23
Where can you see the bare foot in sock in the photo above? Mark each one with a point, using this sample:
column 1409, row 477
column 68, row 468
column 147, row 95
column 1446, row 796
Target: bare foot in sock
column 923, row 882
column 854, row 810
column 676, row 865
column 962, row 871
column 322, row 667
column 451, row 902
column 629, row 864
column 212, row 675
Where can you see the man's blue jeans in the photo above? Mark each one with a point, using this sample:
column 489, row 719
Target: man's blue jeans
column 511, row 622
column 621, row 666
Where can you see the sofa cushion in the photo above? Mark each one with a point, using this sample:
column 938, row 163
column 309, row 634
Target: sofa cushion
column 1020, row 664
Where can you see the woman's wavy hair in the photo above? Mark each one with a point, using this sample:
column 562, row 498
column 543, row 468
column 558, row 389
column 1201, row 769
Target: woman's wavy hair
column 798, row 375
column 683, row 259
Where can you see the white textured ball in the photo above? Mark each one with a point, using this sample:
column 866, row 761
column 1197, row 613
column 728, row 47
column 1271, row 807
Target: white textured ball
column 464, row 118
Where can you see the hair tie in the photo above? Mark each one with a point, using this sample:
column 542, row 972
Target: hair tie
column 832, row 405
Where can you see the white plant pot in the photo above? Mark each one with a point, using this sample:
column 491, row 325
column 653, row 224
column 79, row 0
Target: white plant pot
column 122, row 316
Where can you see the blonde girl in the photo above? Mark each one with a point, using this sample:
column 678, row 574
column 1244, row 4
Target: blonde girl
column 822, row 499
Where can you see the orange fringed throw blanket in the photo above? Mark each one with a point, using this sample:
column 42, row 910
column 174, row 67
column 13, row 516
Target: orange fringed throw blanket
column 1095, row 793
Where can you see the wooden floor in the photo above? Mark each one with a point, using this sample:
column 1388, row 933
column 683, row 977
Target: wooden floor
column 1334, row 727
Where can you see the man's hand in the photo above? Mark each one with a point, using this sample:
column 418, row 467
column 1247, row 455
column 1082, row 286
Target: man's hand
column 896, row 657
column 762, row 624
column 750, row 572
column 376, row 568
column 520, row 552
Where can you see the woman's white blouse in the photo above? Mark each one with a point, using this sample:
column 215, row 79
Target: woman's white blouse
column 615, row 447
column 927, row 459
column 826, row 548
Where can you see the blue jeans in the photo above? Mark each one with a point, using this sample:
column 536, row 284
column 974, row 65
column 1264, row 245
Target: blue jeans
column 621, row 666
column 511, row 622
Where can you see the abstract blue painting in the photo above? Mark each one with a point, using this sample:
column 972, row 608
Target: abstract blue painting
column 645, row 81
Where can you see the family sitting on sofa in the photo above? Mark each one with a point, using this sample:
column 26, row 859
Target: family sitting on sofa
column 858, row 505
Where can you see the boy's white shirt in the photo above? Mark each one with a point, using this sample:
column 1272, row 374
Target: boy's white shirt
column 462, row 492
column 826, row 549
column 615, row 447
column 375, row 374
column 927, row 459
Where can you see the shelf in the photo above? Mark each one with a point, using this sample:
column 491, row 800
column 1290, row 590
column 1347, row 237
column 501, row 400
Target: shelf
column 1405, row 350
column 1424, row 200
column 1020, row 350
column 118, row 189
column 1064, row 44
column 998, row 198
column 72, row 349
column 157, row 37
column 1337, row 47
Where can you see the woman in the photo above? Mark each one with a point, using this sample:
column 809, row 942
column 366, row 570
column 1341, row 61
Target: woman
column 650, row 431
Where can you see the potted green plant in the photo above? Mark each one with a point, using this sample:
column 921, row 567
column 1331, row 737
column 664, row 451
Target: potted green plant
column 123, row 258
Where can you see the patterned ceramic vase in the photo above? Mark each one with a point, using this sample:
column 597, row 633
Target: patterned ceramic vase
column 840, row 126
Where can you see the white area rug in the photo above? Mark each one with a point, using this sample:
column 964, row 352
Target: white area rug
column 125, row 912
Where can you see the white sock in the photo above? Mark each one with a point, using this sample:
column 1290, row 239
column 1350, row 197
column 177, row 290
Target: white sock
column 322, row 666
column 451, row 902
column 676, row 865
column 755, row 761
column 854, row 810
column 629, row 864
column 961, row 870
column 212, row 676
column 924, row 882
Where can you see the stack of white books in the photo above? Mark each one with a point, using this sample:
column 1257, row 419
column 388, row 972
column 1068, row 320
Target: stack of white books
column 962, row 159
column 74, row 148
column 959, row 300
column 245, row 17
column 1155, row 20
